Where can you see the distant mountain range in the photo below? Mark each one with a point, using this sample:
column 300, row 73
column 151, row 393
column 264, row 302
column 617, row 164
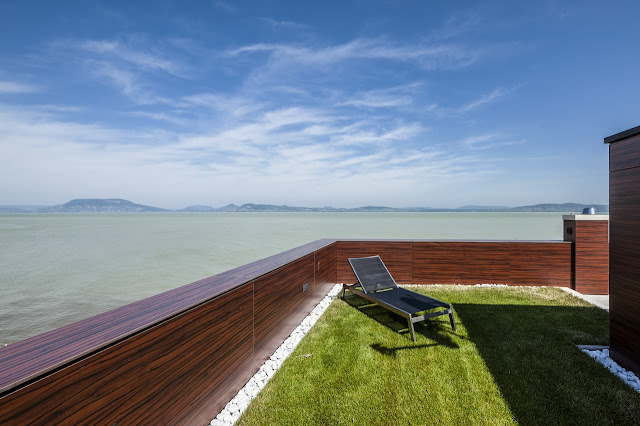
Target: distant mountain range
column 123, row 206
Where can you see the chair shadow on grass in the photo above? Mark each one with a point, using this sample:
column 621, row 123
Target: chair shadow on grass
column 434, row 330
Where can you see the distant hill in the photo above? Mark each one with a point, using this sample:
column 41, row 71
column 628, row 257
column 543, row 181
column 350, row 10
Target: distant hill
column 95, row 205
column 484, row 208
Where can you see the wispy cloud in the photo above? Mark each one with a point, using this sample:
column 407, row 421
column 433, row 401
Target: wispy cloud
column 484, row 99
column 12, row 87
column 431, row 57
column 226, row 6
column 392, row 97
column 466, row 108
column 288, row 25
column 488, row 141
column 138, row 58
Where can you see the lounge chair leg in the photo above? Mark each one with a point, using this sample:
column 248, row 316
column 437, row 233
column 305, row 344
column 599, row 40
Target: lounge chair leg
column 453, row 321
column 413, row 332
column 343, row 291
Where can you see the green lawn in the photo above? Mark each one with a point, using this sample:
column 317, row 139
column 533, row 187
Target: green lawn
column 513, row 360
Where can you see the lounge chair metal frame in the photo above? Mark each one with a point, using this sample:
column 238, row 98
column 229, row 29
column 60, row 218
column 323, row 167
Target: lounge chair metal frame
column 376, row 292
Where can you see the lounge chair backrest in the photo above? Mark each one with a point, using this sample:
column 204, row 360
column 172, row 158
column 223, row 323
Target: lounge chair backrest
column 372, row 274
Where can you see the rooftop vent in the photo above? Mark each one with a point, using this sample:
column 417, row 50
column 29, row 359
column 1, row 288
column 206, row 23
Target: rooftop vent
column 590, row 210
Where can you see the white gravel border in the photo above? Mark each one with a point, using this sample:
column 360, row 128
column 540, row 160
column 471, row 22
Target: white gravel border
column 602, row 356
column 234, row 409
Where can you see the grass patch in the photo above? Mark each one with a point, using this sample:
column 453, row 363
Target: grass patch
column 512, row 361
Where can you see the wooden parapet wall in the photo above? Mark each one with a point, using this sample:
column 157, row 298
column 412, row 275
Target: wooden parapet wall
column 530, row 263
column 174, row 358
column 180, row 356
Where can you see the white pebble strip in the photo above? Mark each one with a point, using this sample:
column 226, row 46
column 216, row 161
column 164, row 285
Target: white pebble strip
column 602, row 356
column 234, row 409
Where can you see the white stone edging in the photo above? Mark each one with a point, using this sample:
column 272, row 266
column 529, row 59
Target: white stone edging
column 234, row 409
column 602, row 356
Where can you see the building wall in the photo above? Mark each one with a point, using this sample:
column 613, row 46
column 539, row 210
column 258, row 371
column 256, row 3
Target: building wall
column 624, row 248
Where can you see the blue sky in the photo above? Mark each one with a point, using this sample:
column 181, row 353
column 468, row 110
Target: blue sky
column 349, row 103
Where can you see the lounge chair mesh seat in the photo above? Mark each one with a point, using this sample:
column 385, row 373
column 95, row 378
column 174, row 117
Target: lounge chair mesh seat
column 378, row 286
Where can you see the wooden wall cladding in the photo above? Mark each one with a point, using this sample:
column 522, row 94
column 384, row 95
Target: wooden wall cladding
column 625, row 222
column 512, row 263
column 624, row 154
column 624, row 251
column 177, row 372
column 395, row 254
column 325, row 269
column 280, row 304
column 465, row 262
column 460, row 262
column 540, row 264
column 624, row 309
column 592, row 257
column 174, row 358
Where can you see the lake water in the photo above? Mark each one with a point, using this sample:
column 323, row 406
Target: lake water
column 58, row 269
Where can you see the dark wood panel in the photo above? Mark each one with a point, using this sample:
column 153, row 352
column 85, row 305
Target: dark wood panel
column 624, row 154
column 395, row 254
column 625, row 222
column 624, row 308
column 177, row 372
column 540, row 264
column 461, row 262
column 432, row 263
column 23, row 361
column 592, row 257
column 280, row 304
column 326, row 269
column 481, row 262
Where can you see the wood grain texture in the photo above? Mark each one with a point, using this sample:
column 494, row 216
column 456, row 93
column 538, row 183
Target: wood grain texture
column 540, row 264
column 31, row 358
column 461, row 262
column 280, row 305
column 326, row 269
column 177, row 372
column 395, row 254
column 624, row 309
column 624, row 200
column 591, row 275
column 512, row 263
column 624, row 154
column 624, row 270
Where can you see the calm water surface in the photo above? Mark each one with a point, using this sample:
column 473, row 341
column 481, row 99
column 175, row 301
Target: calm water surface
column 58, row 269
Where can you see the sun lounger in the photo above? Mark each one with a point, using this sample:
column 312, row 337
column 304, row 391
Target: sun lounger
column 378, row 286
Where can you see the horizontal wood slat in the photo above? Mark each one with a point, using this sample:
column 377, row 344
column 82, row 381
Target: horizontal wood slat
column 395, row 254
column 541, row 264
column 325, row 269
column 624, row 308
column 164, row 375
column 624, row 249
column 625, row 222
column 592, row 257
column 624, row 154
column 276, row 299
column 30, row 358
column 460, row 262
